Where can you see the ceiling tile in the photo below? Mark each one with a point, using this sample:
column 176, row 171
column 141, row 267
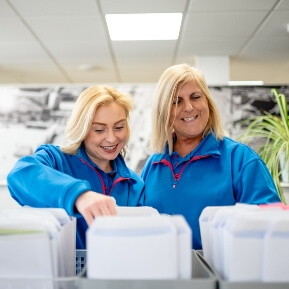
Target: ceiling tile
column 140, row 6
column 67, row 28
column 60, row 8
column 5, row 9
column 230, row 6
column 97, row 74
column 13, row 30
column 22, row 50
column 210, row 47
column 144, row 49
column 257, row 45
column 283, row 5
column 144, row 71
column 241, row 25
column 275, row 26
column 27, row 71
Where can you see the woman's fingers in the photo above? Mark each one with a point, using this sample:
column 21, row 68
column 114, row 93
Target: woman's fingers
column 88, row 217
column 91, row 205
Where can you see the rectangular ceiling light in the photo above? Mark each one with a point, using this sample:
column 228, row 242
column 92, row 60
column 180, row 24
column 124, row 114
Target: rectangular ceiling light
column 147, row 26
column 253, row 82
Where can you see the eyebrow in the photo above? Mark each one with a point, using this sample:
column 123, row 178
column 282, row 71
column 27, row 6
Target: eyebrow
column 193, row 93
column 100, row 123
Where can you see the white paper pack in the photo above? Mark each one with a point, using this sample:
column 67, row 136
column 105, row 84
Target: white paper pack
column 205, row 220
column 217, row 233
column 142, row 247
column 276, row 249
column 136, row 211
column 243, row 242
column 59, row 227
column 184, row 246
column 67, row 242
column 249, row 242
column 217, row 238
column 25, row 250
column 36, row 218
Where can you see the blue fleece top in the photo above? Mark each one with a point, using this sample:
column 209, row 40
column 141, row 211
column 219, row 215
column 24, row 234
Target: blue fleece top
column 215, row 173
column 51, row 178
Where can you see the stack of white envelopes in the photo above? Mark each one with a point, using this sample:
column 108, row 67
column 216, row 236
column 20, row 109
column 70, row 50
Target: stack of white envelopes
column 247, row 242
column 37, row 243
column 139, row 243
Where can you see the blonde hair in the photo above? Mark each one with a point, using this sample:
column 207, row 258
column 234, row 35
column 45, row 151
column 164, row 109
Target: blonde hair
column 80, row 120
column 167, row 88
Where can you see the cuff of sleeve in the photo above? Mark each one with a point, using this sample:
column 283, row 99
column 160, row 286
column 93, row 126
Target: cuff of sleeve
column 72, row 194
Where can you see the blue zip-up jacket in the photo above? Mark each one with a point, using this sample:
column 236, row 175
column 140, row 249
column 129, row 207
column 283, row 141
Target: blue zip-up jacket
column 51, row 178
column 216, row 173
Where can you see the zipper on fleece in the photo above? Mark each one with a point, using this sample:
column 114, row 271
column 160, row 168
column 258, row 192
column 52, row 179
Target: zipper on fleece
column 104, row 188
column 120, row 179
column 177, row 177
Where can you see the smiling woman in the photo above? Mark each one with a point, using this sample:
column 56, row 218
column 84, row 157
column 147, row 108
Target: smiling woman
column 108, row 135
column 189, row 116
column 83, row 175
column 194, row 164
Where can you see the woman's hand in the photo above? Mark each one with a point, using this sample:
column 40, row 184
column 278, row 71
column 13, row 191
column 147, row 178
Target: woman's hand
column 91, row 204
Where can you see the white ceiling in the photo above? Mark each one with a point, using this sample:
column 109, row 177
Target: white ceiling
column 67, row 41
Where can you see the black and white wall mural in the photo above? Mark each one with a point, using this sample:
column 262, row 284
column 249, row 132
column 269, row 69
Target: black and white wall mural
column 30, row 116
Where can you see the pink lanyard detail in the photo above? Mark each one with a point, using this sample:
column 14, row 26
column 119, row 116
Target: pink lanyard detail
column 100, row 177
column 168, row 164
column 178, row 176
column 115, row 182
column 191, row 160
column 104, row 188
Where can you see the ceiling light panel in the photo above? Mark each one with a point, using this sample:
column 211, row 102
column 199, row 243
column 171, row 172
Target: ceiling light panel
column 147, row 26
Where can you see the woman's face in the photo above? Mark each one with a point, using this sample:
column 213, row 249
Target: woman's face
column 190, row 112
column 108, row 134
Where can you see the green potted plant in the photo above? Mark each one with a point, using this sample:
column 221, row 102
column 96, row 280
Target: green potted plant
column 273, row 130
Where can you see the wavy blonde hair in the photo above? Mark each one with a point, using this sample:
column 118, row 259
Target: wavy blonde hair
column 80, row 120
column 167, row 88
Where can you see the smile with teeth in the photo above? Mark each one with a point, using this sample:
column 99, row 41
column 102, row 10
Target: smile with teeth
column 189, row 118
column 109, row 148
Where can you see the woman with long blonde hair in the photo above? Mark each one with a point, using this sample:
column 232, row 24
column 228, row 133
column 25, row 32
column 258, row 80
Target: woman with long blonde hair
column 195, row 164
column 83, row 175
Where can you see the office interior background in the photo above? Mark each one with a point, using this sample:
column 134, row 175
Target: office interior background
column 51, row 50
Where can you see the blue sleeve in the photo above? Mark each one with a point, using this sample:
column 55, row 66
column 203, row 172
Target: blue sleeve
column 39, row 181
column 255, row 185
